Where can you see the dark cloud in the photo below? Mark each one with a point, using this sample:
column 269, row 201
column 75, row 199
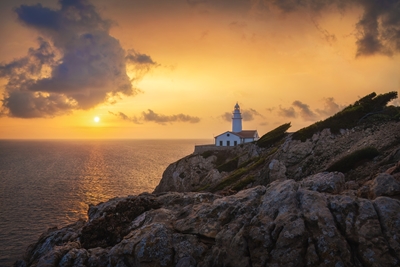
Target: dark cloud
column 139, row 63
column 138, row 58
column 304, row 110
column 226, row 116
column 287, row 112
column 78, row 64
column 378, row 30
column 151, row 116
column 328, row 37
column 395, row 102
column 125, row 117
column 249, row 114
column 330, row 107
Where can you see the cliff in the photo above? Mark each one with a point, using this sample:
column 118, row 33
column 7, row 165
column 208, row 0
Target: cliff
column 325, row 197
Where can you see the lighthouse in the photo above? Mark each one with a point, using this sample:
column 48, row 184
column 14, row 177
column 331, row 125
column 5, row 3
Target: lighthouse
column 238, row 135
column 236, row 119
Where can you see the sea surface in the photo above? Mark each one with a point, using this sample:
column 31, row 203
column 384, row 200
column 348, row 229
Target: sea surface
column 49, row 183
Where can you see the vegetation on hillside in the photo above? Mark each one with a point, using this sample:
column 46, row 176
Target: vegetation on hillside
column 350, row 161
column 273, row 136
column 370, row 108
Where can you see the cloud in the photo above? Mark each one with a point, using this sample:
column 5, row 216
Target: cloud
column 247, row 115
column 330, row 107
column 139, row 63
column 226, row 116
column 125, row 117
column 287, row 112
column 395, row 102
column 305, row 112
column 377, row 30
column 78, row 64
column 151, row 116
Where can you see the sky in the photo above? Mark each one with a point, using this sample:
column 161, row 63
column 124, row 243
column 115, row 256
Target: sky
column 156, row 69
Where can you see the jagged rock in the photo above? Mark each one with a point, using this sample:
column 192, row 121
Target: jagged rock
column 394, row 169
column 330, row 182
column 287, row 223
column 383, row 185
column 292, row 214
column 277, row 170
column 297, row 160
column 186, row 174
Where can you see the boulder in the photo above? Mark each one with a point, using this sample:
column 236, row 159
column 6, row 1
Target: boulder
column 285, row 223
column 330, row 182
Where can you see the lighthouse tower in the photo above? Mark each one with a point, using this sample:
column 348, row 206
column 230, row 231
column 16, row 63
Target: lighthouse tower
column 237, row 119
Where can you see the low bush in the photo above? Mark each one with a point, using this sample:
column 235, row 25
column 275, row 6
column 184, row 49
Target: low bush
column 273, row 136
column 243, row 183
column 350, row 161
column 352, row 115
column 229, row 166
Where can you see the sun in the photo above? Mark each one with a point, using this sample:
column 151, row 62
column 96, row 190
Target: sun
column 96, row 119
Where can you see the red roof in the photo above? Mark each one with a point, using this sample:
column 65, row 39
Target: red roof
column 243, row 134
column 247, row 134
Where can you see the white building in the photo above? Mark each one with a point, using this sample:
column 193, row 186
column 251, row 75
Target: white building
column 237, row 136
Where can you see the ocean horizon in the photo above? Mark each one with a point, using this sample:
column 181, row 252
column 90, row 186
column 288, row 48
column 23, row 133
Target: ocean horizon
column 51, row 182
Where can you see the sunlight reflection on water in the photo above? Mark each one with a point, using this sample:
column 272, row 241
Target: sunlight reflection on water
column 48, row 183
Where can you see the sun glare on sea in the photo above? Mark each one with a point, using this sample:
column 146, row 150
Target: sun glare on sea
column 96, row 119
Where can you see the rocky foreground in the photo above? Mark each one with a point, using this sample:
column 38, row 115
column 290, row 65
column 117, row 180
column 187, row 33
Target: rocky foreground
column 250, row 206
column 314, row 222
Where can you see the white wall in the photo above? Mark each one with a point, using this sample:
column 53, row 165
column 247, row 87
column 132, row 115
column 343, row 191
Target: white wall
column 225, row 137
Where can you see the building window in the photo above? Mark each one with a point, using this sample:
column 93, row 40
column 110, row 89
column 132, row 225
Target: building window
column 235, row 143
column 228, row 143
column 220, row 143
column 227, row 134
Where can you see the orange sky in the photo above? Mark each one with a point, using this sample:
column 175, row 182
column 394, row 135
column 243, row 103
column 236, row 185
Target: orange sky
column 190, row 64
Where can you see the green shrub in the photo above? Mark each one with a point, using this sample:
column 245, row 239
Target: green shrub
column 222, row 156
column 202, row 188
column 247, row 162
column 243, row 183
column 352, row 115
column 273, row 136
column 350, row 161
column 229, row 166
column 207, row 154
column 230, row 179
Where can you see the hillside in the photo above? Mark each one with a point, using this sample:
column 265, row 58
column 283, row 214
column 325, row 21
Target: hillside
column 316, row 197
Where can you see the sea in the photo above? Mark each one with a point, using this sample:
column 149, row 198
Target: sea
column 48, row 183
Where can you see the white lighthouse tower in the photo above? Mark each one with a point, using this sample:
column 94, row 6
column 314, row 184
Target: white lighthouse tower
column 237, row 119
column 237, row 136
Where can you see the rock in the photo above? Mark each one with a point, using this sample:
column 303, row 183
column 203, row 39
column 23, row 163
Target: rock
column 292, row 214
column 330, row 182
column 394, row 169
column 286, row 223
column 383, row 185
column 277, row 170
column 388, row 210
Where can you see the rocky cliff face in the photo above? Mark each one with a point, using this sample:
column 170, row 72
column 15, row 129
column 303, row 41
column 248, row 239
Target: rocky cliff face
column 251, row 206
column 249, row 165
column 313, row 222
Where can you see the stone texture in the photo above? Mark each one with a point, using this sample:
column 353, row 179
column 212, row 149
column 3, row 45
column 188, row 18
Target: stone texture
column 291, row 159
column 330, row 182
column 286, row 223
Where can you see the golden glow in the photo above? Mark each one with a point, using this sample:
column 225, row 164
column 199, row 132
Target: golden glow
column 208, row 61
